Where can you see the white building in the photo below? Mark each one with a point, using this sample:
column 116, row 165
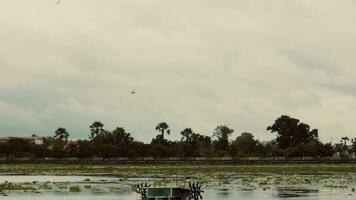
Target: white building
column 33, row 139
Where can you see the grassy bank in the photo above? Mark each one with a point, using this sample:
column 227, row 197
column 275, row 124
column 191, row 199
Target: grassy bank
column 133, row 170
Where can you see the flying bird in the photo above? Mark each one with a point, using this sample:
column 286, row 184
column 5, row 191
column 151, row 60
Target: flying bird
column 133, row 91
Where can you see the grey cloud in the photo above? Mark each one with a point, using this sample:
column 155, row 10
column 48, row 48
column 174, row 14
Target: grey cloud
column 309, row 62
column 237, row 62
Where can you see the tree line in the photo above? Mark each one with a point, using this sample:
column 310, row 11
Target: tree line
column 293, row 139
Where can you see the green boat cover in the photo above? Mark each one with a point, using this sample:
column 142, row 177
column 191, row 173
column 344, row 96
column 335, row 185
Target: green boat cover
column 167, row 192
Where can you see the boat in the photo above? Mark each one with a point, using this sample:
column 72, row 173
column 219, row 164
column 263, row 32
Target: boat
column 147, row 192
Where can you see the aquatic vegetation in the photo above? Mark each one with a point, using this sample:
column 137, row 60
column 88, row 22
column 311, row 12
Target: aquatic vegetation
column 46, row 186
column 290, row 181
column 264, row 182
column 74, row 189
column 8, row 186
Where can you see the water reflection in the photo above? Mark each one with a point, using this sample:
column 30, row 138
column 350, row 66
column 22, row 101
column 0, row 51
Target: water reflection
column 289, row 192
column 216, row 188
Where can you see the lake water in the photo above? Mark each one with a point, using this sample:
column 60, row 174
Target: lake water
column 216, row 187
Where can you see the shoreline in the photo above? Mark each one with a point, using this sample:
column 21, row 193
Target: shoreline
column 125, row 170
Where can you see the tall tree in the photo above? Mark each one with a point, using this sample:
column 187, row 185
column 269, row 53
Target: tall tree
column 244, row 145
column 61, row 135
column 222, row 133
column 291, row 132
column 187, row 135
column 163, row 128
column 122, row 141
column 95, row 129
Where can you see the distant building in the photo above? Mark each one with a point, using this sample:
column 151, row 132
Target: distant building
column 4, row 139
column 32, row 139
column 67, row 145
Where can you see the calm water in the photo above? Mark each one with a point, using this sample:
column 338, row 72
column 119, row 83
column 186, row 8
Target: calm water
column 229, row 187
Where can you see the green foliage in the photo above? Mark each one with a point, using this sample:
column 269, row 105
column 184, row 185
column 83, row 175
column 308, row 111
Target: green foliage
column 291, row 132
column 294, row 139
column 95, row 129
column 61, row 135
column 314, row 149
column 245, row 145
column 163, row 128
column 221, row 145
column 193, row 144
column 74, row 189
column 18, row 147
column 111, row 144
column 343, row 149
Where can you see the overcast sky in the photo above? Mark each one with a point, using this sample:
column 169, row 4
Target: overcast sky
column 195, row 63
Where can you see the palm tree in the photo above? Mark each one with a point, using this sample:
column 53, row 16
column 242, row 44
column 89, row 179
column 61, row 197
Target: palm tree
column 163, row 128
